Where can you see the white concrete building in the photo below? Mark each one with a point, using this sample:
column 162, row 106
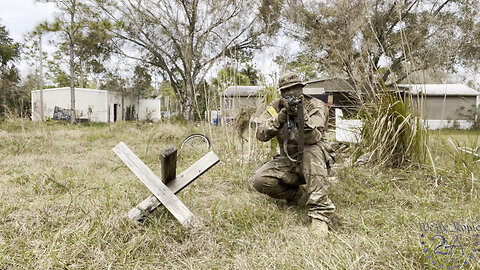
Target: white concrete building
column 94, row 105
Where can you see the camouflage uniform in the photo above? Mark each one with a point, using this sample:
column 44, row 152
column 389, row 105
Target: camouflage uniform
column 280, row 178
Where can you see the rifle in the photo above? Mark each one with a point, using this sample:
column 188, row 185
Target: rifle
column 294, row 121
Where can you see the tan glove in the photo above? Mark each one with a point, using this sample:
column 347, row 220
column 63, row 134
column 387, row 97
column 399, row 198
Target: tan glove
column 289, row 109
column 279, row 119
column 282, row 116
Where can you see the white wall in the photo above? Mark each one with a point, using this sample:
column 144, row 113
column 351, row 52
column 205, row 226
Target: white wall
column 100, row 102
column 60, row 97
column 347, row 130
column 439, row 124
column 114, row 98
column 149, row 106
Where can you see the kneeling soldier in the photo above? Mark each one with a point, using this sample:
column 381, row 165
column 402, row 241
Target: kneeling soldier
column 299, row 122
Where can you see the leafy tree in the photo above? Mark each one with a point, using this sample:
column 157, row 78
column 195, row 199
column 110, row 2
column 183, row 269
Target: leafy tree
column 356, row 38
column 91, row 56
column 303, row 65
column 185, row 38
column 55, row 73
column 69, row 24
column 9, row 50
column 114, row 81
column 165, row 90
column 141, row 84
column 9, row 76
column 39, row 31
column 33, row 53
column 93, row 49
column 228, row 76
column 252, row 73
column 206, row 100
column 22, row 105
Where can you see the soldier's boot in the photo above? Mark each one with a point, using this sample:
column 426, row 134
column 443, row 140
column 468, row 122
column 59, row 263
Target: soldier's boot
column 319, row 228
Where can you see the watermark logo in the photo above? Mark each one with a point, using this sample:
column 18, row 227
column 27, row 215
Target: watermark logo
column 450, row 245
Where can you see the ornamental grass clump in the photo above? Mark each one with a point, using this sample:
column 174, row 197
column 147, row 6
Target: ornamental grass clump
column 392, row 133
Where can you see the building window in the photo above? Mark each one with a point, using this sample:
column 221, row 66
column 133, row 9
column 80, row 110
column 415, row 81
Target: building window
column 228, row 103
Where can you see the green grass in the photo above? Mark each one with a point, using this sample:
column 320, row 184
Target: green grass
column 65, row 196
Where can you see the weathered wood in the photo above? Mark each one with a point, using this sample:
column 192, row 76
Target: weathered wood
column 155, row 185
column 169, row 165
column 181, row 181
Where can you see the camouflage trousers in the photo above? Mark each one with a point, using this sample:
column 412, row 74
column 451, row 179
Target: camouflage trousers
column 280, row 178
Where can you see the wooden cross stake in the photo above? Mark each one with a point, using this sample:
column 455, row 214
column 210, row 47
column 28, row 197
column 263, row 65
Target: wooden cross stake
column 164, row 193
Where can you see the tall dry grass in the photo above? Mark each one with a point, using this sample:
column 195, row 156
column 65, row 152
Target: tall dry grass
column 392, row 134
column 65, row 198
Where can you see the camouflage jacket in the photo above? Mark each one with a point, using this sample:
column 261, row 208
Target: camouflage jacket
column 316, row 117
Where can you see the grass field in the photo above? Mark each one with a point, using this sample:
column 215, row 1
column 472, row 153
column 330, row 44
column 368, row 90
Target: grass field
column 65, row 196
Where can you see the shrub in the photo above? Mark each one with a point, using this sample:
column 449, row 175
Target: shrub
column 392, row 133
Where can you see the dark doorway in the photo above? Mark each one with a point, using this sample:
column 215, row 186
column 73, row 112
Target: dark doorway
column 115, row 109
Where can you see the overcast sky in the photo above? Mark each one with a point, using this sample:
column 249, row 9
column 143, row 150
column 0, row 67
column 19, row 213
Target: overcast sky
column 21, row 17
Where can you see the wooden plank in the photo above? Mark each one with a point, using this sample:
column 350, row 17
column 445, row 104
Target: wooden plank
column 183, row 180
column 155, row 185
column 169, row 165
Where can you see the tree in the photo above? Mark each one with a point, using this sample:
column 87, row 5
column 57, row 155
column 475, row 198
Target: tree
column 93, row 48
column 165, row 90
column 91, row 52
column 356, row 38
column 185, row 38
column 9, row 77
column 69, row 26
column 113, row 81
column 55, row 73
column 141, row 84
column 228, row 76
column 38, row 32
column 252, row 73
column 304, row 65
column 206, row 100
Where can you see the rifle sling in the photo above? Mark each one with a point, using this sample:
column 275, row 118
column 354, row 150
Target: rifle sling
column 301, row 131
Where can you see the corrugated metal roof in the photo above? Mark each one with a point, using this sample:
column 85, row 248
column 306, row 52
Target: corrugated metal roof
column 441, row 89
column 68, row 89
column 242, row 91
column 333, row 85
column 316, row 80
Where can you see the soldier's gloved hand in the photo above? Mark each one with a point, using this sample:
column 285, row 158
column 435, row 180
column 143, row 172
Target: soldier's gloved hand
column 283, row 103
column 282, row 116
column 289, row 109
